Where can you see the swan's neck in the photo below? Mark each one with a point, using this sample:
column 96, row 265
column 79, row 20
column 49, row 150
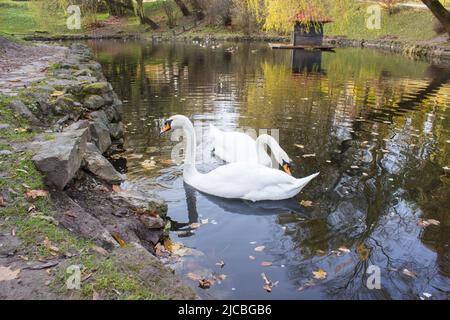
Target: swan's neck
column 191, row 143
column 264, row 140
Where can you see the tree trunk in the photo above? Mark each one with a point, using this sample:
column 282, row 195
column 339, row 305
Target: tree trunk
column 439, row 12
column 139, row 11
column 198, row 11
column 117, row 7
column 183, row 8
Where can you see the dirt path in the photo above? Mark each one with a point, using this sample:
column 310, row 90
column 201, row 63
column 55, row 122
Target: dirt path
column 22, row 64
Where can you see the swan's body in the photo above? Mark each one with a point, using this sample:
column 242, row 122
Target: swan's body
column 241, row 180
column 240, row 147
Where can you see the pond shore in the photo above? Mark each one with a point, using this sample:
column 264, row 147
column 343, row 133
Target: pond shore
column 430, row 51
column 72, row 211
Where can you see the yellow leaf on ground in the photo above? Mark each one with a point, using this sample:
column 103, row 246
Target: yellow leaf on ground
column 119, row 240
column 33, row 194
column 306, row 203
column 56, row 93
column 319, row 274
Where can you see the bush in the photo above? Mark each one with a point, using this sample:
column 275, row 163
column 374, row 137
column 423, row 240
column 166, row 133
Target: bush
column 244, row 18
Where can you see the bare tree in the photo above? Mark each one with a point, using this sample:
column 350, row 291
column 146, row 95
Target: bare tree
column 439, row 11
column 184, row 10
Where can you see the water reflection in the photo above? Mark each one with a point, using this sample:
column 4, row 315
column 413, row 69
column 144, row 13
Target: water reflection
column 306, row 61
column 377, row 124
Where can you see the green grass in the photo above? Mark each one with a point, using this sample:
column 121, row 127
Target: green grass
column 406, row 24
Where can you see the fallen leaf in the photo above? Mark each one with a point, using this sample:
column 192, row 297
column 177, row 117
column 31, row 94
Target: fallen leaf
column 309, row 155
column 49, row 246
column 266, row 264
column 320, row 274
column 56, row 93
column 220, row 263
column 427, row 295
column 103, row 189
column 167, row 161
column 354, row 167
column 251, row 257
column 328, row 161
column 422, row 223
column 408, row 273
column 193, row 276
column 259, row 248
column 204, row 221
column 268, row 285
column 344, row 249
column 119, row 240
column 306, row 203
column 221, row 277
column 309, row 283
column 363, row 252
column 205, row 283
column 168, row 245
column 2, row 201
column 195, row 225
column 433, row 222
column 33, row 194
column 133, row 156
column 95, row 295
column 116, row 188
column 6, row 273
column 299, row 146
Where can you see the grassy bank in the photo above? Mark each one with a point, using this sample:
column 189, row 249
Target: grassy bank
column 41, row 238
column 409, row 24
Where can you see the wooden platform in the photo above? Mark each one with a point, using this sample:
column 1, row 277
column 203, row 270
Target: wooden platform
column 305, row 47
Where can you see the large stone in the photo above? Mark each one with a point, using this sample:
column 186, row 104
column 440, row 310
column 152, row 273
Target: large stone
column 98, row 165
column 80, row 124
column 99, row 116
column 112, row 113
column 94, row 102
column 60, row 158
column 140, row 201
column 20, row 108
column 152, row 222
column 98, row 88
column 116, row 130
column 100, row 135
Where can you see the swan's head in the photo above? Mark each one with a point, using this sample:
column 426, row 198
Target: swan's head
column 174, row 122
column 280, row 155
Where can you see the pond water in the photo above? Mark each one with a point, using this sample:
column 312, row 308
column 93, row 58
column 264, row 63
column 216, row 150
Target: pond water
column 377, row 126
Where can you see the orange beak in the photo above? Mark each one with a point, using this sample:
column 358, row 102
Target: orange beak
column 165, row 129
column 287, row 169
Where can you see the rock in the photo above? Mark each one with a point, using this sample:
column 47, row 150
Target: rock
column 155, row 276
column 60, row 158
column 8, row 245
column 94, row 102
column 143, row 202
column 98, row 88
column 83, row 72
column 152, row 222
column 5, row 152
column 116, row 130
column 112, row 113
column 68, row 86
column 98, row 165
column 20, row 108
column 100, row 135
column 4, row 126
column 80, row 124
column 99, row 116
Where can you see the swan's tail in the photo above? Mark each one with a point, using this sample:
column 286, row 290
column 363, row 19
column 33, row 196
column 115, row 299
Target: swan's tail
column 302, row 182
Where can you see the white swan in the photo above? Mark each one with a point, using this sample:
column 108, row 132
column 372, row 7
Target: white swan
column 240, row 147
column 239, row 180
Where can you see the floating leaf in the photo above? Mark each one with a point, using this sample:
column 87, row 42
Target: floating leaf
column 259, row 248
column 204, row 221
column 427, row 295
column 220, row 263
column 306, row 203
column 354, row 167
column 328, row 161
column 299, row 146
column 320, row 274
column 221, row 277
column 266, row 264
column 309, row 155
column 433, row 222
column 6, row 273
column 251, row 257
column 408, row 273
column 33, row 194
column 195, row 225
column 308, row 284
